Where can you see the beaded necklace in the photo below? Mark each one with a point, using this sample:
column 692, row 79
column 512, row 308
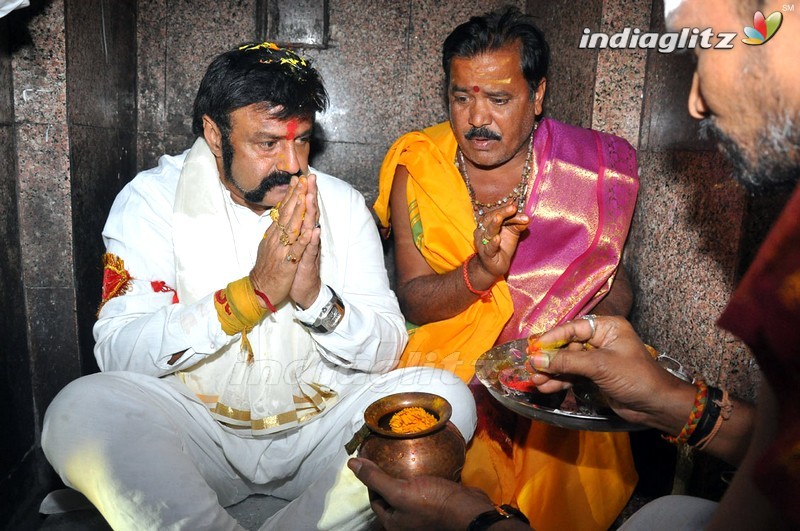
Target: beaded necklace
column 518, row 193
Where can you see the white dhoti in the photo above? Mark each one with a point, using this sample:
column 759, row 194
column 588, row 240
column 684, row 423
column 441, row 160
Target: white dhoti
column 150, row 456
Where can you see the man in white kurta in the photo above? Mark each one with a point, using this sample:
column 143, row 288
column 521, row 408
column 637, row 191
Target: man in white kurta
column 186, row 418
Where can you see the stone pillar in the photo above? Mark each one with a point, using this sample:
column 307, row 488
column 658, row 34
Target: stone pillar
column 44, row 200
column 67, row 133
column 39, row 326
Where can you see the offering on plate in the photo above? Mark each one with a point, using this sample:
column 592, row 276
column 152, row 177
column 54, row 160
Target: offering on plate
column 518, row 393
column 518, row 382
column 533, row 344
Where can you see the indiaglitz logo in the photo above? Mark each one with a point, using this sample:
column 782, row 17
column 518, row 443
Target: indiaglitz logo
column 763, row 28
column 685, row 39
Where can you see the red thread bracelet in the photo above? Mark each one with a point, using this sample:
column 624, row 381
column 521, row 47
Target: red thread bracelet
column 700, row 399
column 484, row 295
column 263, row 296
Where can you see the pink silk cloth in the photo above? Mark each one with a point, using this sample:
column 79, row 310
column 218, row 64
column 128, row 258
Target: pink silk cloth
column 581, row 204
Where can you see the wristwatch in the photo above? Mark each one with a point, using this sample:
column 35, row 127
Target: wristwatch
column 330, row 316
column 501, row 512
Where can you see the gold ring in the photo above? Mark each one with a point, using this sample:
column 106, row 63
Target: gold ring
column 275, row 213
column 284, row 238
column 485, row 240
column 291, row 258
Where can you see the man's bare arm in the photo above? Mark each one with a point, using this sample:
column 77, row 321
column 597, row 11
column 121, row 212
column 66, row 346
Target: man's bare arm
column 637, row 388
column 744, row 505
column 424, row 295
column 619, row 299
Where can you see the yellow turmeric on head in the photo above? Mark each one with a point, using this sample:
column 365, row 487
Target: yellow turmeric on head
column 411, row 420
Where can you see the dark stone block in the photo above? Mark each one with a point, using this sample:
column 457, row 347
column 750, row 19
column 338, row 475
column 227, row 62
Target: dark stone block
column 43, row 196
column 357, row 164
column 666, row 124
column 102, row 163
column 572, row 72
column 101, row 70
column 54, row 342
column 151, row 146
column 22, row 490
column 18, row 435
column 294, row 22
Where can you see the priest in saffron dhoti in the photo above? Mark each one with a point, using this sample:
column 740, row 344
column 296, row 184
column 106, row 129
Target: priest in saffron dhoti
column 504, row 226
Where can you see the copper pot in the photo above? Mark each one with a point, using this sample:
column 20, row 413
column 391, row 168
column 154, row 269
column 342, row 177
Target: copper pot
column 437, row 451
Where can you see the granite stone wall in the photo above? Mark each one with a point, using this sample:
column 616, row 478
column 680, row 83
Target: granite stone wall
column 19, row 435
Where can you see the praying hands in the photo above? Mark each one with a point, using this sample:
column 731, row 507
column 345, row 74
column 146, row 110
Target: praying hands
column 287, row 263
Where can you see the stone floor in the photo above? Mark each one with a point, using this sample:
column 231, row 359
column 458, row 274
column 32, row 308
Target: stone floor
column 250, row 513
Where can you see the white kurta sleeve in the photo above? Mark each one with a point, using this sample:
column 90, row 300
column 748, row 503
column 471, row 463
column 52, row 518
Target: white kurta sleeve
column 372, row 334
column 141, row 329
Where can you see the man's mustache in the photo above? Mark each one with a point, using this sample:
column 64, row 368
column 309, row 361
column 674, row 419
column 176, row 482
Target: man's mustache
column 482, row 132
column 275, row 178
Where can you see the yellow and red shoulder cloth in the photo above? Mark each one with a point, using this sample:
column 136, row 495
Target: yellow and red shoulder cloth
column 117, row 281
column 581, row 204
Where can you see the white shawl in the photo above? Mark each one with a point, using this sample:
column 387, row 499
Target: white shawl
column 215, row 243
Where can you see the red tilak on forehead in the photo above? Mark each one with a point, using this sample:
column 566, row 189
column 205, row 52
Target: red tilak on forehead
column 291, row 129
column 476, row 89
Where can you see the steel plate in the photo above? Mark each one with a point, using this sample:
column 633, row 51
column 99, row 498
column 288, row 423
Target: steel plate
column 572, row 413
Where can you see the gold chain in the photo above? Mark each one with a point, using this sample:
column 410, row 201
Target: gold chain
column 518, row 193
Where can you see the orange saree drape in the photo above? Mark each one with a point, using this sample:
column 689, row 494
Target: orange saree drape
column 581, row 203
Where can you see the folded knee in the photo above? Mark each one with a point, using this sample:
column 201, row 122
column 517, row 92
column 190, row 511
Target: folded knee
column 82, row 417
column 460, row 397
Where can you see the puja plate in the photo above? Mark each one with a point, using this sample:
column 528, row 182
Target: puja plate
column 579, row 410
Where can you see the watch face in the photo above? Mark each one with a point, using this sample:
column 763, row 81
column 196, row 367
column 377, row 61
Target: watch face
column 332, row 317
